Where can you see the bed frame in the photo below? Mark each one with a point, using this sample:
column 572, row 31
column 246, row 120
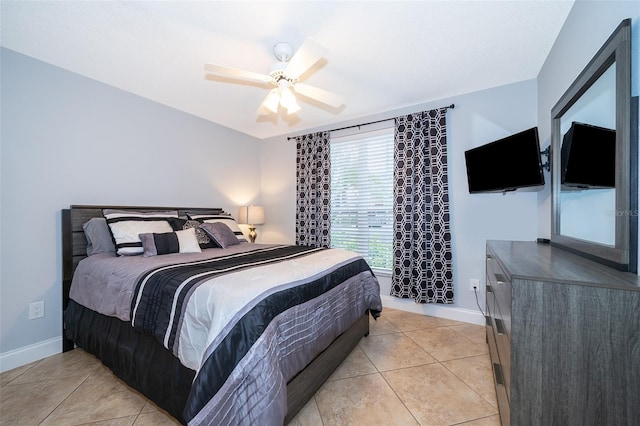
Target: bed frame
column 299, row 389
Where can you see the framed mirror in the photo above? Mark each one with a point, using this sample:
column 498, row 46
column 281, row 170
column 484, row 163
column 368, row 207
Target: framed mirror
column 594, row 163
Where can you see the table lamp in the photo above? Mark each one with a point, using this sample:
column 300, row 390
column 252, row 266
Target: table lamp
column 252, row 216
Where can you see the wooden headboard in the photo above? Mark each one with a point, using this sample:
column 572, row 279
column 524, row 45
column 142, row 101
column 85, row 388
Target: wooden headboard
column 74, row 243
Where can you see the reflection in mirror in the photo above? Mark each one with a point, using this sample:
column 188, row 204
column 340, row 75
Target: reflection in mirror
column 598, row 220
column 587, row 213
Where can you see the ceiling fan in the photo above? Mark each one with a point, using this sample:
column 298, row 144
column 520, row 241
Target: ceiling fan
column 285, row 77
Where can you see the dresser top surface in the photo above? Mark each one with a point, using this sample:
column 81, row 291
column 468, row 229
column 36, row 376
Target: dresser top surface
column 542, row 262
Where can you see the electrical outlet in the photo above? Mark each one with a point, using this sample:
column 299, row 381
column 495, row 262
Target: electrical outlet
column 474, row 282
column 36, row 310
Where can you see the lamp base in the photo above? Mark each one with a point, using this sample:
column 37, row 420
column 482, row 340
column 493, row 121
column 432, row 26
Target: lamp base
column 252, row 234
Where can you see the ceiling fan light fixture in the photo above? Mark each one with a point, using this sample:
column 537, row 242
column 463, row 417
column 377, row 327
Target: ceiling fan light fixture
column 288, row 100
column 293, row 108
column 272, row 100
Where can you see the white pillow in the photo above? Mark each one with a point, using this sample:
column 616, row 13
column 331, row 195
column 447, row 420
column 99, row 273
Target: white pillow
column 188, row 241
column 126, row 226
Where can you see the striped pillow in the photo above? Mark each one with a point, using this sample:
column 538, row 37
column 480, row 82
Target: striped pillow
column 184, row 241
column 227, row 219
column 127, row 225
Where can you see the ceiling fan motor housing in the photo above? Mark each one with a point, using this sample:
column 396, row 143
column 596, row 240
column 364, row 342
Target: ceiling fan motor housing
column 283, row 51
column 278, row 74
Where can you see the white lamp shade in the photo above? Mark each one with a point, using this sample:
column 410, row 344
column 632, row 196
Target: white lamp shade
column 293, row 108
column 251, row 215
column 272, row 100
column 288, row 100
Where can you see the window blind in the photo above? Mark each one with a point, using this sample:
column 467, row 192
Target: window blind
column 362, row 195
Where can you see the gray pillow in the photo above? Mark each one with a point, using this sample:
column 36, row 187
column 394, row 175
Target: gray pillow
column 224, row 218
column 99, row 238
column 220, row 233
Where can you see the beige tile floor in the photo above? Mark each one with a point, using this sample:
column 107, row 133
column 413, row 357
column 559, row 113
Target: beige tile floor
column 411, row 370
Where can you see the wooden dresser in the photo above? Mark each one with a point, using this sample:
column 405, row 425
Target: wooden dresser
column 564, row 337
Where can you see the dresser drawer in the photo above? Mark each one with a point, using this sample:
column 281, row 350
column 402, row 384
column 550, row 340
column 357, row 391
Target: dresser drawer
column 501, row 287
column 499, row 380
column 498, row 288
column 491, row 334
column 503, row 346
column 501, row 396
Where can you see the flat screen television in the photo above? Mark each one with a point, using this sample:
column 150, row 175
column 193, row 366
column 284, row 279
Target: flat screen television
column 506, row 164
column 588, row 157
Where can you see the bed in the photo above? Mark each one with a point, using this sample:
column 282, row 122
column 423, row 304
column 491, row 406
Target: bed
column 244, row 334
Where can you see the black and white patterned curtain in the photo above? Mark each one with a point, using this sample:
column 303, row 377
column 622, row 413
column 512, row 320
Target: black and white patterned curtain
column 422, row 266
column 313, row 190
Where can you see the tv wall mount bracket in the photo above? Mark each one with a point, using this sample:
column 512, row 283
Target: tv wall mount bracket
column 547, row 153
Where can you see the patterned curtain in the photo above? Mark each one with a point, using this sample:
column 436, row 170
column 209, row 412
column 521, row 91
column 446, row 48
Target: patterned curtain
column 422, row 267
column 313, row 189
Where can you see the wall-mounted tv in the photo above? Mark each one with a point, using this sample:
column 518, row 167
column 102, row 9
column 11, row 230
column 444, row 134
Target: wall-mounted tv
column 506, row 164
column 588, row 157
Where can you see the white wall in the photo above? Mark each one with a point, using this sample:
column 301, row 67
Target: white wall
column 586, row 29
column 68, row 140
column 478, row 118
column 278, row 189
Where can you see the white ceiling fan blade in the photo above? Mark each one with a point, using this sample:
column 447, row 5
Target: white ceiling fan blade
column 236, row 73
column 309, row 53
column 319, row 95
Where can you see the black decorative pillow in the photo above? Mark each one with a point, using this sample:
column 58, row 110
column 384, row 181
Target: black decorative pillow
column 203, row 239
column 126, row 226
column 184, row 241
column 221, row 234
column 227, row 219
column 99, row 239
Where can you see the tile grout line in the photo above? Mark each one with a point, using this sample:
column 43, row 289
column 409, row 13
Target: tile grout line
column 387, row 382
column 402, row 332
column 467, row 384
column 65, row 398
column 441, row 362
column 473, row 420
column 437, row 361
column 399, row 398
column 140, row 412
column 21, row 374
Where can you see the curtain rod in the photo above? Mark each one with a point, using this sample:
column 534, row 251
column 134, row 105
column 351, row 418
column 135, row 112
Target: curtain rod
column 452, row 106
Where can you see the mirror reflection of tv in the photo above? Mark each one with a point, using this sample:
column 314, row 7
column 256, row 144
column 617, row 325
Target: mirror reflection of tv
column 588, row 157
column 506, row 164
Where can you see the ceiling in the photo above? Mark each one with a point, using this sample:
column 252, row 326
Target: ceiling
column 382, row 55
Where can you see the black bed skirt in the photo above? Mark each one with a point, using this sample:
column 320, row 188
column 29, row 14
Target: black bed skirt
column 139, row 360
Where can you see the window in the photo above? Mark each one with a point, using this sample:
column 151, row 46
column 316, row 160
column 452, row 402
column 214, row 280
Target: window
column 362, row 195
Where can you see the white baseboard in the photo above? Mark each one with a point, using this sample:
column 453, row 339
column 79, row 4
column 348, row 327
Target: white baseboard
column 433, row 309
column 22, row 356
